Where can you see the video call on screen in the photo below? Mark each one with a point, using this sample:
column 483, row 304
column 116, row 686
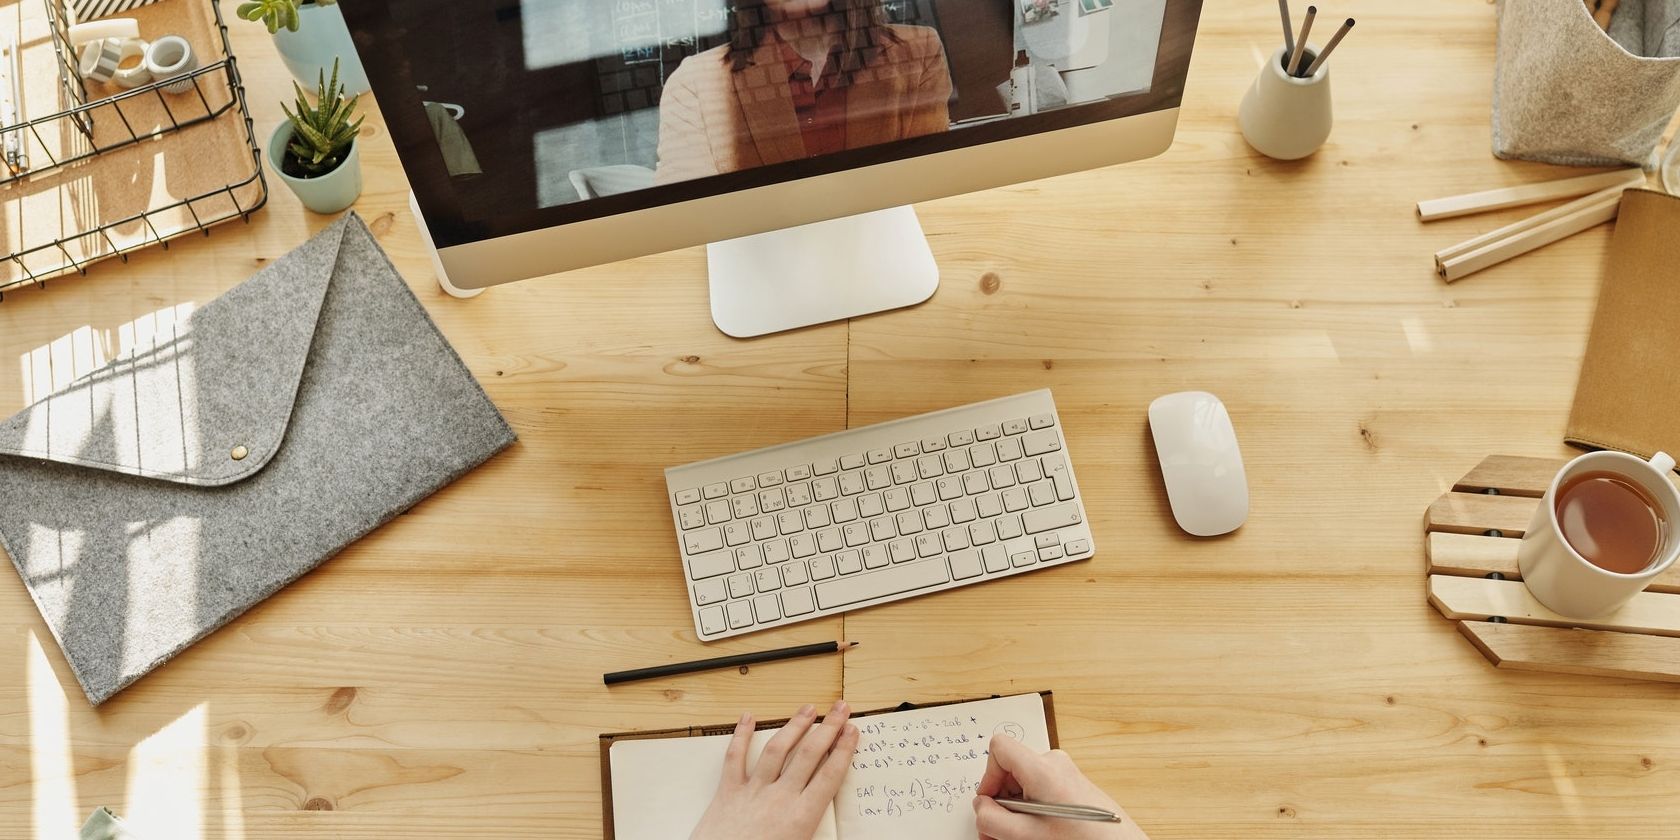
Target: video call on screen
column 552, row 102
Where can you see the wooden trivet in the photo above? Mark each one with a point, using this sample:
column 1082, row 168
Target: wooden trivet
column 1471, row 548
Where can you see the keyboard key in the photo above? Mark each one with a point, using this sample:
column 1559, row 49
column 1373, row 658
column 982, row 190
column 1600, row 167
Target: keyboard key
column 955, row 539
column 981, row 533
column 822, row 568
column 828, row 467
column 767, row 580
column 928, row 545
column 930, row 466
column 965, row 564
column 794, row 574
column 1056, row 468
column 851, row 483
column 817, row 517
column 1009, row 449
column 736, row 533
column 880, row 456
column 1014, row 427
column 922, row 495
column 699, row 542
column 871, row 505
column 1028, row 471
column 1041, row 421
column 982, row 455
column 1044, row 519
column 825, row 489
column 769, row 479
column 856, row 534
column 909, row 522
column 748, row 557
column 798, row 601
column 949, row 488
column 799, row 495
column 763, row 528
column 989, row 505
column 691, row 517
column 790, row 522
column 1009, row 527
column 903, row 472
column 936, row 517
column 877, row 477
column 776, row 551
column 802, row 545
column 851, row 462
column 1052, row 553
column 974, row 483
column 712, row 621
column 740, row 615
column 1002, row 476
column 1039, row 443
column 716, row 491
column 688, row 497
column 740, row 586
column 768, row 608
column 1014, row 499
column 897, row 499
column 879, row 584
column 1046, row 540
column 828, row 539
column 881, row 528
column 710, row 591
column 990, row 431
column 962, row 438
column 875, row 557
column 906, row 450
column 933, row 445
column 771, row 501
column 956, row 460
column 711, row 564
column 849, row 562
column 844, row 510
column 743, row 485
column 996, row 560
column 1078, row 547
column 799, row 473
column 717, row 511
column 962, row 511
column 1042, row 493
column 902, row 551
column 745, row 507
column 1023, row 558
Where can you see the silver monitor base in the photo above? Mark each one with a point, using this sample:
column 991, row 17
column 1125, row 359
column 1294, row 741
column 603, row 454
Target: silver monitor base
column 821, row 272
column 437, row 264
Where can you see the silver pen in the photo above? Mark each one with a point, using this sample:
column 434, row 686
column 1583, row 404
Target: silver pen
column 1066, row 812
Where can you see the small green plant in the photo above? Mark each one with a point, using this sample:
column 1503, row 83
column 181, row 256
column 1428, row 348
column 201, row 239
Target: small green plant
column 276, row 13
column 322, row 134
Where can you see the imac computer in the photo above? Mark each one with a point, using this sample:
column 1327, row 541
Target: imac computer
column 790, row 136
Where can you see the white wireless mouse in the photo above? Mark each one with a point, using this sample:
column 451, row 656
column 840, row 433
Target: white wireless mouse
column 1200, row 462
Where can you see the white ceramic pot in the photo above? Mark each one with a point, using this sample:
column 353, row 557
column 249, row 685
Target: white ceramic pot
column 1285, row 117
column 327, row 193
column 322, row 36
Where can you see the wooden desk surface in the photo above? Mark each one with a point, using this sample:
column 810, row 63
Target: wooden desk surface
column 442, row 677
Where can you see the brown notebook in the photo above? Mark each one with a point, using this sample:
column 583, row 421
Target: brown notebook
column 1628, row 398
column 913, row 776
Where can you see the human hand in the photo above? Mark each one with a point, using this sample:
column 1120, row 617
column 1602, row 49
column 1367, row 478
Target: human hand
column 788, row 791
column 1015, row 772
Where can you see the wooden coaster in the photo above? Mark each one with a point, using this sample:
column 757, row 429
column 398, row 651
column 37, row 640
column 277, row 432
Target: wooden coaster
column 1471, row 546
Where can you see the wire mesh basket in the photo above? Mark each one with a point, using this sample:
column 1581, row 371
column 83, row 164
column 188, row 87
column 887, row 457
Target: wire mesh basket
column 73, row 141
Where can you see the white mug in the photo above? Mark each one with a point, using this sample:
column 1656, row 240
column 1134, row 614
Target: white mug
column 1559, row 577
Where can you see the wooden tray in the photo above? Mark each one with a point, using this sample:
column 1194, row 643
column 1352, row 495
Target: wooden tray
column 1471, row 540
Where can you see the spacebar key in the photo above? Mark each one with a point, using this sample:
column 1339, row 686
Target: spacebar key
column 890, row 581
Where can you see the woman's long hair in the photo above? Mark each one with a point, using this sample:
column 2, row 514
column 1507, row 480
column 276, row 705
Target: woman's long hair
column 864, row 32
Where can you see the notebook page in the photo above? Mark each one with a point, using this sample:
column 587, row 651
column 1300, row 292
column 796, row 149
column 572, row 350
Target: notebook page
column 661, row 787
column 915, row 773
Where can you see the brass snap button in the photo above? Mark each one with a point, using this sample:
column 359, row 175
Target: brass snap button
column 239, row 453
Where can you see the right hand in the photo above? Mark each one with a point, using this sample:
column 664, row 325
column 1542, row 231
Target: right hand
column 1015, row 772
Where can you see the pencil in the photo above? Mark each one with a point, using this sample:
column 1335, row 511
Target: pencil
column 1325, row 53
column 1288, row 28
column 1301, row 42
column 1066, row 812
column 735, row 661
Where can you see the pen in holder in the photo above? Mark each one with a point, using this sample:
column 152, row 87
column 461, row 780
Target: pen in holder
column 1283, row 116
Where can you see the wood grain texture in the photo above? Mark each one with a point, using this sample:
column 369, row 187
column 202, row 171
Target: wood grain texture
column 1468, row 555
column 1479, row 513
column 1512, row 475
column 442, row 677
column 1596, row 653
column 1654, row 613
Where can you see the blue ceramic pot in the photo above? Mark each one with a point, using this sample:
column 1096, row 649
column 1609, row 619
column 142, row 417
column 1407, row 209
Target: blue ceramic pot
column 322, row 36
column 323, row 194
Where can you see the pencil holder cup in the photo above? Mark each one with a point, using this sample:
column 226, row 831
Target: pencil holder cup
column 1566, row 91
column 1283, row 116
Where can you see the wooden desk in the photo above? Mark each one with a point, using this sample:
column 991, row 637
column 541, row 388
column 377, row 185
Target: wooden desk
column 442, row 678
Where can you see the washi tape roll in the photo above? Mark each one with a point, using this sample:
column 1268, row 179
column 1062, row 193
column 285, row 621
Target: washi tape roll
column 171, row 56
column 100, row 59
column 136, row 74
column 96, row 30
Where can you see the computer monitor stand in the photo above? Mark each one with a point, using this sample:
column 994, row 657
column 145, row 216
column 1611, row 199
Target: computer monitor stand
column 437, row 264
column 825, row 271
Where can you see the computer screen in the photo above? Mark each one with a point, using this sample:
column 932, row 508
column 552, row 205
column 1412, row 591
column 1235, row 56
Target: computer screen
column 520, row 115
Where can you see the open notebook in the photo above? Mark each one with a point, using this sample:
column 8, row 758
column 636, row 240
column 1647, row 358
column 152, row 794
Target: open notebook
column 914, row 773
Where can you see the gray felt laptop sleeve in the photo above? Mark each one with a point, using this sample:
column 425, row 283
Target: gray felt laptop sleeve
column 157, row 498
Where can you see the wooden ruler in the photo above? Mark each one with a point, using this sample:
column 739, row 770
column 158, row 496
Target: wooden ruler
column 1473, row 534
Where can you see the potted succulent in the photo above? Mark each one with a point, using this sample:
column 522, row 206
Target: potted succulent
column 311, row 35
column 315, row 150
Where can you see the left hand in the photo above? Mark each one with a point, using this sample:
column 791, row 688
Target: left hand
column 791, row 787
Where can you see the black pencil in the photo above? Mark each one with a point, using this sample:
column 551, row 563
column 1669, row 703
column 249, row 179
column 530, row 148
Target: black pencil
column 737, row 660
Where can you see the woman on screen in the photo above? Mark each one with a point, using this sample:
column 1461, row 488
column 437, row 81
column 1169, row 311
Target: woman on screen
column 800, row 78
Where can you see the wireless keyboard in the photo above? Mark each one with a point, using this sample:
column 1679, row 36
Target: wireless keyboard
column 877, row 514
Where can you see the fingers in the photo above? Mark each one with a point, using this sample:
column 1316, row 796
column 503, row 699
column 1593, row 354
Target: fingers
column 1016, row 759
column 825, row 785
column 775, row 753
column 995, row 823
column 814, row 747
column 735, row 758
